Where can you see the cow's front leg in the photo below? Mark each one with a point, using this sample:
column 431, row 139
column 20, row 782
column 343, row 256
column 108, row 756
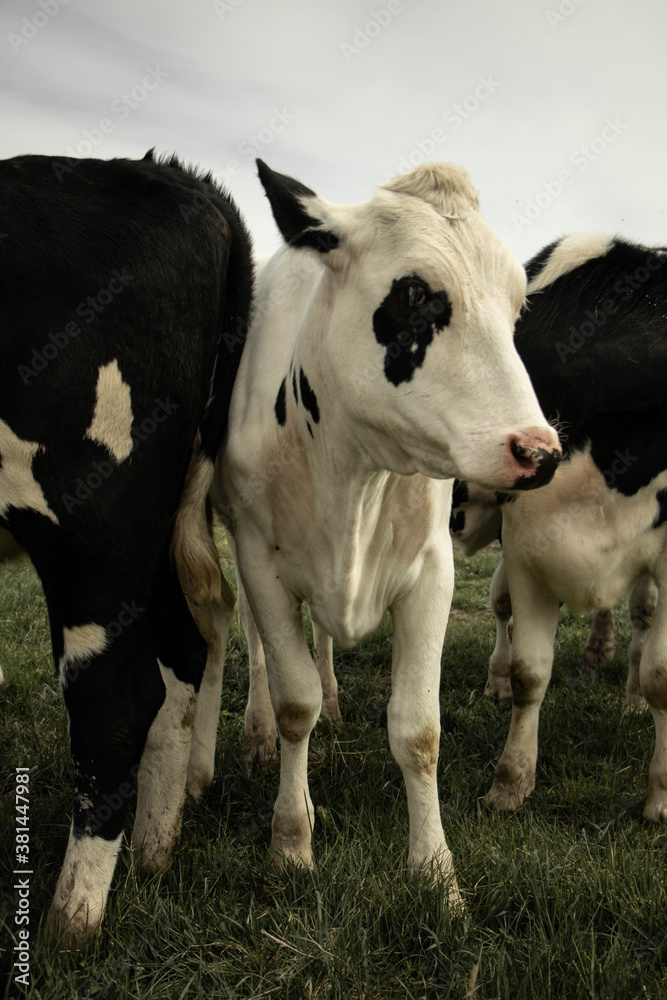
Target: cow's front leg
column 535, row 623
column 296, row 696
column 641, row 607
column 498, row 684
column 653, row 684
column 413, row 713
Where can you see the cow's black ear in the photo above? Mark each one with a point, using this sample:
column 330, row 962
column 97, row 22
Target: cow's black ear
column 299, row 213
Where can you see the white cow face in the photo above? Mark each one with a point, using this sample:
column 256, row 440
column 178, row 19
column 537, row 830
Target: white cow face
column 416, row 304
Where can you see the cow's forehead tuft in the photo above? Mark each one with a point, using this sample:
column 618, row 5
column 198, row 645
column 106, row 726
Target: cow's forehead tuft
column 445, row 186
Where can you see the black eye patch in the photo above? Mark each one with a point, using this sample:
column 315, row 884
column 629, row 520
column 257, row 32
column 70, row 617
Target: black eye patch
column 405, row 324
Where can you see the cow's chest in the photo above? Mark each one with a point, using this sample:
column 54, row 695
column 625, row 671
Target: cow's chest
column 341, row 589
column 348, row 560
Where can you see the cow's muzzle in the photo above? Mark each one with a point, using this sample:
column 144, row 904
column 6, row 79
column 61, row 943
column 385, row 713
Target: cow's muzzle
column 534, row 455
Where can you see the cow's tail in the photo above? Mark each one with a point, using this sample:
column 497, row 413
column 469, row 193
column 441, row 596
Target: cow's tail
column 192, row 548
column 193, row 551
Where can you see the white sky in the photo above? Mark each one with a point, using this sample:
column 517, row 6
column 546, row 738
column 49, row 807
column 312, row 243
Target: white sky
column 515, row 91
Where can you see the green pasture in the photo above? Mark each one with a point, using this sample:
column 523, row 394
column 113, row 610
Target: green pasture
column 566, row 898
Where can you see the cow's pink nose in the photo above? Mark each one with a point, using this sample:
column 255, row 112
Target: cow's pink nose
column 535, row 454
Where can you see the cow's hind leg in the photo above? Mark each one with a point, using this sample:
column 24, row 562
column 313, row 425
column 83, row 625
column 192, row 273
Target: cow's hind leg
column 260, row 734
column 112, row 690
column 641, row 607
column 213, row 621
column 9, row 550
column 162, row 774
column 600, row 642
column 498, row 684
column 181, row 654
column 323, row 658
column 190, row 639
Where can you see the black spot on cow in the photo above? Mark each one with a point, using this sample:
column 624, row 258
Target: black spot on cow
column 457, row 522
column 406, row 323
column 628, row 447
column 294, row 390
column 459, row 493
column 281, row 404
column 661, row 517
column 308, row 397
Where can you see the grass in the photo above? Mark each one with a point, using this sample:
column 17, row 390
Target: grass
column 566, row 898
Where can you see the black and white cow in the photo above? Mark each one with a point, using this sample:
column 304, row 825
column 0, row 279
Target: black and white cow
column 475, row 522
column 124, row 285
column 593, row 338
column 379, row 365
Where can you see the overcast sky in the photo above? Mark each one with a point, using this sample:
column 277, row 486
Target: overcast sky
column 555, row 107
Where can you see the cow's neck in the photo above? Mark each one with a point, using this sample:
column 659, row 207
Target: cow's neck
column 345, row 474
column 334, row 514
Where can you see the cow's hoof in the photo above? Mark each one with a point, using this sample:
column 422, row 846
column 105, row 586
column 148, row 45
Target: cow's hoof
column 635, row 703
column 440, row 870
column 655, row 810
column 260, row 750
column 282, row 853
column 198, row 783
column 498, row 687
column 508, row 797
column 72, row 929
column 599, row 655
column 331, row 710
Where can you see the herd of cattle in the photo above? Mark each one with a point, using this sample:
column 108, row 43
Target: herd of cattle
column 387, row 348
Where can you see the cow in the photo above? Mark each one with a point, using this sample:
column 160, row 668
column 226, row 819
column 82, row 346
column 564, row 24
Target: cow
column 475, row 522
column 379, row 364
column 593, row 338
column 124, row 286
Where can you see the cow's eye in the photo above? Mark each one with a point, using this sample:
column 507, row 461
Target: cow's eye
column 411, row 293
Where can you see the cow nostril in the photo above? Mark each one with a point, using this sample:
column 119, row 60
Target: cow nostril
column 525, row 456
